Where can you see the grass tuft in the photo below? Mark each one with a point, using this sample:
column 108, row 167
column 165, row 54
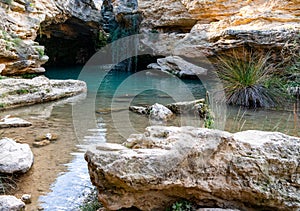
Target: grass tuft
column 91, row 203
column 244, row 77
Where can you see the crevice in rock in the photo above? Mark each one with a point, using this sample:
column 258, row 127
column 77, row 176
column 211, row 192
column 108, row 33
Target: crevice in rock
column 174, row 29
column 71, row 42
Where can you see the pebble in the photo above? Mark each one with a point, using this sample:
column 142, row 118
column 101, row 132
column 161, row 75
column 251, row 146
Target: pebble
column 41, row 143
column 26, row 198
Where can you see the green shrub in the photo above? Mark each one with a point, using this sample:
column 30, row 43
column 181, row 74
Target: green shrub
column 91, row 203
column 22, row 91
column 40, row 51
column 182, row 205
column 17, row 41
column 244, row 77
column 29, row 75
column 9, row 2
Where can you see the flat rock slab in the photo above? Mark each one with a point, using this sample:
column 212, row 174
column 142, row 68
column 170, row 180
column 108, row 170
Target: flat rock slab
column 178, row 66
column 11, row 203
column 14, row 122
column 14, row 157
column 37, row 90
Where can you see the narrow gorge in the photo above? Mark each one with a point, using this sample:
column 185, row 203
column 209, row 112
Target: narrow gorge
column 149, row 105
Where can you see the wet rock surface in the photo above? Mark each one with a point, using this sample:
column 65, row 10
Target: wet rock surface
column 246, row 170
column 15, row 157
column 185, row 107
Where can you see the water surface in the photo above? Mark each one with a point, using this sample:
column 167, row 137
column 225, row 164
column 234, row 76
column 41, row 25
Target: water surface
column 68, row 181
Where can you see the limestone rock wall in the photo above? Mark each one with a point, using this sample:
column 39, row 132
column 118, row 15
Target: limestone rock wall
column 189, row 28
column 217, row 25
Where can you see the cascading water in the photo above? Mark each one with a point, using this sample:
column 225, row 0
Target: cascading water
column 122, row 21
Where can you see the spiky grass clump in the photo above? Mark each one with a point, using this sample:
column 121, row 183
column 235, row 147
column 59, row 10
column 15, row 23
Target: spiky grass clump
column 243, row 76
column 8, row 184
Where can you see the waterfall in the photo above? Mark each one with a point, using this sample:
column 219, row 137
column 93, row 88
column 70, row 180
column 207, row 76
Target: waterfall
column 122, row 21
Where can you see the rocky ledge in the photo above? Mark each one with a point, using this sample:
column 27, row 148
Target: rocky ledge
column 250, row 170
column 37, row 90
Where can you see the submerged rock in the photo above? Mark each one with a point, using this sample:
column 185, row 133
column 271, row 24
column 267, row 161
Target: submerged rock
column 185, row 107
column 11, row 203
column 15, row 157
column 160, row 112
column 41, row 143
column 47, row 136
column 245, row 170
column 139, row 110
column 7, row 122
column 178, row 66
column 37, row 90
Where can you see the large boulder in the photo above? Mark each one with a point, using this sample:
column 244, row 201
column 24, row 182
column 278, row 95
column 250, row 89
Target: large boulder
column 251, row 170
column 11, row 203
column 37, row 90
column 15, row 157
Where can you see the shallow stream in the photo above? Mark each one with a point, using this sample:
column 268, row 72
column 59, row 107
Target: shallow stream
column 59, row 178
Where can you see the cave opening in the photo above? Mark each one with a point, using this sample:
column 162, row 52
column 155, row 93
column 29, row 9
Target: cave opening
column 70, row 43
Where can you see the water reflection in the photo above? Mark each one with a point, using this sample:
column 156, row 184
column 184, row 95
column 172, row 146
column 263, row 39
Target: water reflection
column 68, row 190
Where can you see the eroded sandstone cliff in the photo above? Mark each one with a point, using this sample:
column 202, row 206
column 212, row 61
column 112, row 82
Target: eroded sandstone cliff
column 23, row 20
column 189, row 28
column 195, row 27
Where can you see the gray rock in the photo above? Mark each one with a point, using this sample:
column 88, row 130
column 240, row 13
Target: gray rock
column 156, row 112
column 209, row 167
column 15, row 157
column 185, row 107
column 159, row 112
column 14, row 122
column 37, row 90
column 139, row 110
column 11, row 203
column 178, row 66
